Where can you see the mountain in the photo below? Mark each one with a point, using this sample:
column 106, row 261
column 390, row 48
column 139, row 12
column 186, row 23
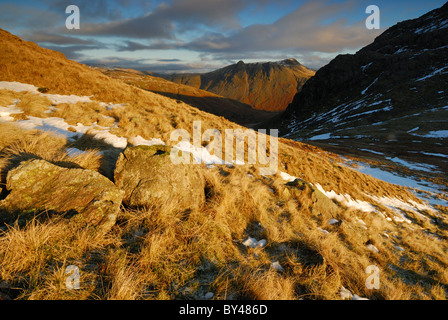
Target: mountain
column 266, row 86
column 230, row 109
column 388, row 101
column 91, row 198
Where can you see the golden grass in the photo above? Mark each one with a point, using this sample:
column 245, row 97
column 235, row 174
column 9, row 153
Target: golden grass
column 163, row 253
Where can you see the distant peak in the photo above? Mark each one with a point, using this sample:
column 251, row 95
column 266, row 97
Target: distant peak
column 290, row 62
column 240, row 63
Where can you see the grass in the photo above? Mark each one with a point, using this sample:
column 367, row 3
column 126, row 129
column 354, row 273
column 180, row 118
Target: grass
column 162, row 253
column 159, row 252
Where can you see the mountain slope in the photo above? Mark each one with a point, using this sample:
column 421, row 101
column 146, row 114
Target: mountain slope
column 266, row 86
column 390, row 98
column 307, row 232
column 204, row 100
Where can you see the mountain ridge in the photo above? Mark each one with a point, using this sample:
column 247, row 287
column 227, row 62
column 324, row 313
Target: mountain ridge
column 390, row 97
column 266, row 86
column 230, row 109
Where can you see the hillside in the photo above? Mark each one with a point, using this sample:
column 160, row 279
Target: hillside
column 88, row 183
column 387, row 103
column 268, row 86
column 232, row 110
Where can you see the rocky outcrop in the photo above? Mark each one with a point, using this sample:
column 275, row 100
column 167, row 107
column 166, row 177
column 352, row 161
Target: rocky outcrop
column 87, row 197
column 144, row 176
column 404, row 69
column 148, row 177
column 268, row 86
column 387, row 101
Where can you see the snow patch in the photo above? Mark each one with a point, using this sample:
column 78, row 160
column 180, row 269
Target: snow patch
column 365, row 90
column 414, row 166
column 6, row 112
column 345, row 294
column 285, row 176
column 324, row 136
column 54, row 98
column 436, row 72
column 439, row 134
column 200, row 154
column 347, row 200
column 140, row 141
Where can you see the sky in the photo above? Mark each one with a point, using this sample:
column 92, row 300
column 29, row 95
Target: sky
column 175, row 36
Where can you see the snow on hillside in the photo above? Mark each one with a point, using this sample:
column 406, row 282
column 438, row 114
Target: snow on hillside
column 201, row 155
column 60, row 126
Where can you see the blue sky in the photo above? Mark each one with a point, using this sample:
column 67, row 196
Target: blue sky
column 202, row 35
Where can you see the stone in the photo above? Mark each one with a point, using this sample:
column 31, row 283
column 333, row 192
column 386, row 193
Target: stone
column 148, row 177
column 208, row 295
column 89, row 198
column 276, row 266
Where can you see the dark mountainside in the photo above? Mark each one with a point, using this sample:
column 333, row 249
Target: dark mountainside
column 230, row 109
column 389, row 100
column 268, row 86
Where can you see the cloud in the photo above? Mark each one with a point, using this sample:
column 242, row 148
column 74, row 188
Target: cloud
column 312, row 31
column 73, row 52
column 167, row 20
column 149, row 26
column 46, row 37
column 129, row 45
column 169, row 60
column 20, row 17
column 302, row 30
column 156, row 66
column 100, row 10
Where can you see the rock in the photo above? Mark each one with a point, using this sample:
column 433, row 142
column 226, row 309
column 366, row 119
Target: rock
column 4, row 285
column 87, row 196
column 147, row 176
column 250, row 242
column 262, row 243
column 253, row 243
column 323, row 231
column 208, row 295
column 372, row 248
column 321, row 203
column 333, row 221
column 276, row 265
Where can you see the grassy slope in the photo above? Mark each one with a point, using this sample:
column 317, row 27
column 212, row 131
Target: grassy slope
column 160, row 253
column 206, row 101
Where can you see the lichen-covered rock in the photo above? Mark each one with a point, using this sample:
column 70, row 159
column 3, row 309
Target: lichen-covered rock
column 88, row 197
column 148, row 177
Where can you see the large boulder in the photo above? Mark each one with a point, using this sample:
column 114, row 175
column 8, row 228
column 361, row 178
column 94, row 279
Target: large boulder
column 86, row 196
column 148, row 177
